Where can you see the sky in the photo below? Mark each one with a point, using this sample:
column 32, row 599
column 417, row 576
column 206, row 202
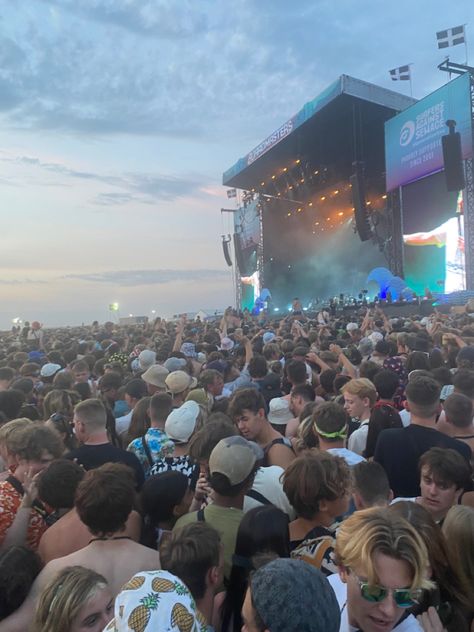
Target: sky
column 118, row 118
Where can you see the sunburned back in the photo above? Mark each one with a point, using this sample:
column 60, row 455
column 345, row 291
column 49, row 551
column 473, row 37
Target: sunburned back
column 117, row 560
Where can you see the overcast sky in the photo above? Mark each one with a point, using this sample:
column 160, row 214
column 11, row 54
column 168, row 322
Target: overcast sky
column 118, row 117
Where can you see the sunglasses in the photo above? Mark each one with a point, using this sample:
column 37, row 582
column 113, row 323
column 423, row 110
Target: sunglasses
column 403, row 597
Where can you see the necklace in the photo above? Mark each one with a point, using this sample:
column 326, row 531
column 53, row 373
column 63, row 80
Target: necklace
column 115, row 537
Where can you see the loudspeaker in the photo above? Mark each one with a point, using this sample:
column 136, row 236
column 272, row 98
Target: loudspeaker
column 453, row 167
column 358, row 199
column 239, row 257
column 225, row 248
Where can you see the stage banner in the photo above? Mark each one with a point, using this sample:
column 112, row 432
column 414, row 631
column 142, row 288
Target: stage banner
column 413, row 138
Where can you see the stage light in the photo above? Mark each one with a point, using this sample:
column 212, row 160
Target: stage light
column 316, row 172
column 289, row 214
column 297, row 162
column 291, row 187
column 305, row 309
column 289, row 267
column 276, row 309
column 310, row 204
column 130, row 315
column 328, row 219
column 300, row 209
column 340, row 213
column 262, row 184
column 273, row 177
column 285, row 169
column 384, row 197
column 114, row 307
column 314, row 232
column 316, row 223
column 323, row 197
column 369, row 203
column 336, row 191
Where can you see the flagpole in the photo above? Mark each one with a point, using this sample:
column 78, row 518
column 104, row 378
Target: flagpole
column 465, row 44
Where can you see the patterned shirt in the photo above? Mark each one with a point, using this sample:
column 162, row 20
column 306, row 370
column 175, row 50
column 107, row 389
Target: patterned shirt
column 10, row 501
column 181, row 464
column 159, row 444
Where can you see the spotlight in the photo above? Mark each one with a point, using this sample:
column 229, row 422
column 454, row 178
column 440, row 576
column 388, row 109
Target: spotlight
column 276, row 309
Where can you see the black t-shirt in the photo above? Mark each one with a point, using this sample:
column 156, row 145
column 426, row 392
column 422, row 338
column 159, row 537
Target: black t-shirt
column 92, row 456
column 398, row 450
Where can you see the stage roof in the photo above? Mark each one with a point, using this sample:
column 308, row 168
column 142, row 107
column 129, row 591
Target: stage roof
column 344, row 123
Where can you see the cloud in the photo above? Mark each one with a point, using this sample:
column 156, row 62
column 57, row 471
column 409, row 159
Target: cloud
column 138, row 187
column 129, row 278
column 22, row 282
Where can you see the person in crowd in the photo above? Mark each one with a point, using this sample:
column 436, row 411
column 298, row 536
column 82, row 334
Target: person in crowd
column 134, row 391
column 444, row 476
column 90, row 420
column 382, row 417
column 57, row 486
column 382, row 563
column 65, row 429
column 458, row 422
column 76, row 599
column 22, row 518
column 179, row 427
column 8, row 460
column 139, row 424
column 318, row 486
column 359, row 399
column 164, row 499
column 156, row 600
column 232, row 467
column 7, row 375
column 11, row 402
column 247, row 409
column 329, row 424
column 104, row 501
column 154, row 444
column 279, row 414
column 398, row 450
column 263, row 530
column 447, row 593
column 109, row 388
column 178, row 385
column 458, row 530
column 195, row 555
column 300, row 396
column 19, row 567
column 289, row 595
column 370, row 486
column 154, row 378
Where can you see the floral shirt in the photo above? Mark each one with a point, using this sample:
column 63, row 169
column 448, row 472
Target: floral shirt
column 159, row 444
column 10, row 500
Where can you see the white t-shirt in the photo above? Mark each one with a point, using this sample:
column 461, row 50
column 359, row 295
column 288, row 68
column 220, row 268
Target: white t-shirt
column 123, row 423
column 267, row 483
column 351, row 458
column 358, row 439
column 410, row 624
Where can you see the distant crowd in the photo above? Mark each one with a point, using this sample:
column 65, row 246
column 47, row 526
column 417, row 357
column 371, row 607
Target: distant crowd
column 241, row 473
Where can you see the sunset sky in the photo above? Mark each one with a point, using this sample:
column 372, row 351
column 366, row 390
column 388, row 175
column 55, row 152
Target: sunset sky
column 118, row 117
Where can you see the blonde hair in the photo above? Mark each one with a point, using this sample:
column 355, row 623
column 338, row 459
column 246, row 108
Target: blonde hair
column 458, row 528
column 58, row 401
column 376, row 530
column 362, row 387
column 11, row 426
column 64, row 596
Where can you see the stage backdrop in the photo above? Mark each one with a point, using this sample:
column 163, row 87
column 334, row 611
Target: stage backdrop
column 413, row 138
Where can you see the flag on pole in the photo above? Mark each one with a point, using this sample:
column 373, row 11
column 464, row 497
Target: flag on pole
column 231, row 193
column 400, row 74
column 451, row 37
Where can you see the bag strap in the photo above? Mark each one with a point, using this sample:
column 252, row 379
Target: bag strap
column 253, row 493
column 146, row 448
column 200, row 515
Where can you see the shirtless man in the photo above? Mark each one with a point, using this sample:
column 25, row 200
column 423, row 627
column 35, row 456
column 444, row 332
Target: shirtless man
column 247, row 410
column 104, row 501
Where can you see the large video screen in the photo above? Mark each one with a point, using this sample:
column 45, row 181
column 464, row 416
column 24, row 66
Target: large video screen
column 314, row 253
column 247, row 229
column 433, row 236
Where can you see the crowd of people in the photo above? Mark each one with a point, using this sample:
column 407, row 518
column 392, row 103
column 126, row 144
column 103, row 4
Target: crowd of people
column 310, row 475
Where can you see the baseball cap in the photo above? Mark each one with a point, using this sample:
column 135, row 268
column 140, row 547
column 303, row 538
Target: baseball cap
column 146, row 359
column 268, row 336
column 189, row 349
column 178, row 381
column 181, row 422
column 156, row 375
column 174, row 364
column 279, row 411
column 235, row 458
column 50, row 369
